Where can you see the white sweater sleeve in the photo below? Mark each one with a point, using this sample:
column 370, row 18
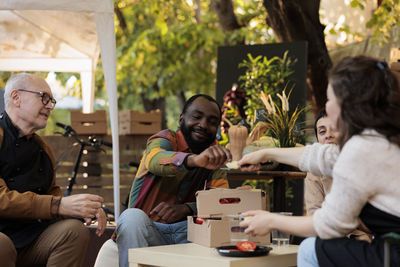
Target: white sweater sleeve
column 319, row 159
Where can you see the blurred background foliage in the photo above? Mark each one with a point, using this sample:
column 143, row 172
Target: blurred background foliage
column 382, row 21
column 166, row 50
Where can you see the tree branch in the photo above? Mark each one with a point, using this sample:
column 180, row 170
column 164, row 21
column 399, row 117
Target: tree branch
column 298, row 20
column 120, row 17
column 226, row 15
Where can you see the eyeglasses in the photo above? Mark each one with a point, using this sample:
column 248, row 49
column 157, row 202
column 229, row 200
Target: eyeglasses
column 46, row 98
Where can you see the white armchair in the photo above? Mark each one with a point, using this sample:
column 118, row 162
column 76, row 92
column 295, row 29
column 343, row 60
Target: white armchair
column 108, row 255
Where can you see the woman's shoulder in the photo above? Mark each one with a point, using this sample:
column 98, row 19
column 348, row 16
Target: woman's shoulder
column 368, row 136
column 368, row 143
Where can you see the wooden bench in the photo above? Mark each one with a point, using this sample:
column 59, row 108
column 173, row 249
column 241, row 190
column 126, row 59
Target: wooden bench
column 95, row 173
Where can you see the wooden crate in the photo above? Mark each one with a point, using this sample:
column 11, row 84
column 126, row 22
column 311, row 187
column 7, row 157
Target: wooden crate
column 89, row 123
column 395, row 67
column 95, row 173
column 135, row 122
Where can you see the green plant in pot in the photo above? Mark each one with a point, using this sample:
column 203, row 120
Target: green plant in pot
column 283, row 124
column 269, row 76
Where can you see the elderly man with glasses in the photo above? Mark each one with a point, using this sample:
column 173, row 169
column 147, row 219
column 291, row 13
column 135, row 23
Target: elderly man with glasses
column 37, row 225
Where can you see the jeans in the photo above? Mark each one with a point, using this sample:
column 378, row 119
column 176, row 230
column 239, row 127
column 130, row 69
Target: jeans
column 307, row 255
column 135, row 229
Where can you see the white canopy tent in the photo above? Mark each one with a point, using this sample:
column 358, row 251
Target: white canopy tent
column 64, row 36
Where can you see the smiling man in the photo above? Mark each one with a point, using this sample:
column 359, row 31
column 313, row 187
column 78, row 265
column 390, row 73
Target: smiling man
column 175, row 165
column 33, row 230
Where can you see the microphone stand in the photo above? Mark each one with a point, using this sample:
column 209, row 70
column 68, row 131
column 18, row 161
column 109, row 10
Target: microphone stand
column 96, row 143
column 71, row 180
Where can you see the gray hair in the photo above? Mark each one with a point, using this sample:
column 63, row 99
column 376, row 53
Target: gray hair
column 16, row 81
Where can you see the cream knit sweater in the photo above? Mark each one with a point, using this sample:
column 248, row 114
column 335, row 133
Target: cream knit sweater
column 367, row 169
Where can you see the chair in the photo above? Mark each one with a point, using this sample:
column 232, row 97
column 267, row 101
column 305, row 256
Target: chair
column 390, row 239
column 108, row 255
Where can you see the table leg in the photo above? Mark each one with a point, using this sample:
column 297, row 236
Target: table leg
column 279, row 194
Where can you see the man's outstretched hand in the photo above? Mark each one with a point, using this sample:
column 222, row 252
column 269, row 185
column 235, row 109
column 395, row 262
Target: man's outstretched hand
column 169, row 213
column 212, row 158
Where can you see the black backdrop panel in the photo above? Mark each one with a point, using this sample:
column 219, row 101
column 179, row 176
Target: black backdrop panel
column 229, row 58
column 228, row 73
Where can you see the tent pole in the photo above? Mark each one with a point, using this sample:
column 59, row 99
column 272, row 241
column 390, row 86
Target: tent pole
column 87, row 79
column 106, row 35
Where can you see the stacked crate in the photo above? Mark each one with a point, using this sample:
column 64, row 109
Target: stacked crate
column 89, row 123
column 136, row 122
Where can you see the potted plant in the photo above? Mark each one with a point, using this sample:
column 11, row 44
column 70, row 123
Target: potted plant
column 269, row 76
column 283, row 124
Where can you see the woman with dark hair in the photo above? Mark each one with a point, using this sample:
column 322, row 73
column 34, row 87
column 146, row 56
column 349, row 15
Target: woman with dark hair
column 318, row 186
column 364, row 102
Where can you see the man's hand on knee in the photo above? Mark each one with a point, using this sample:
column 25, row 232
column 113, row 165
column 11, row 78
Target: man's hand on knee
column 80, row 206
column 101, row 221
column 168, row 213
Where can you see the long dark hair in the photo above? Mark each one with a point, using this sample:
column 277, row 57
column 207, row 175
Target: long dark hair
column 369, row 97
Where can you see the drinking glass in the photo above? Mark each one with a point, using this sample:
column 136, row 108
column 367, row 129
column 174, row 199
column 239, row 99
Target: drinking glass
column 280, row 238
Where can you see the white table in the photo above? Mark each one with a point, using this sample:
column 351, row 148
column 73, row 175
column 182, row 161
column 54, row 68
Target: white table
column 193, row 255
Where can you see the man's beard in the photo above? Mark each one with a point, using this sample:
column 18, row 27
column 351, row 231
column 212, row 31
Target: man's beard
column 196, row 146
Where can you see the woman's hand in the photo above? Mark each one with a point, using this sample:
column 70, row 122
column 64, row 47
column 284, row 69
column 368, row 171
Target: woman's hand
column 288, row 155
column 258, row 222
column 252, row 161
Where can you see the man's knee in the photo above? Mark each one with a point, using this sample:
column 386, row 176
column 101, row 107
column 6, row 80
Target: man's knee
column 74, row 230
column 8, row 253
column 132, row 218
column 76, row 226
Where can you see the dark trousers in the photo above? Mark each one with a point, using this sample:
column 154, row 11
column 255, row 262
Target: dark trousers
column 63, row 243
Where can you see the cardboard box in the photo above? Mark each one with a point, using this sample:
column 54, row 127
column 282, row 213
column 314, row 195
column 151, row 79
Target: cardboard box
column 135, row 122
column 210, row 202
column 89, row 123
column 212, row 205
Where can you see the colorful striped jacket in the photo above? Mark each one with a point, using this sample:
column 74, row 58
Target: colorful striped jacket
column 163, row 177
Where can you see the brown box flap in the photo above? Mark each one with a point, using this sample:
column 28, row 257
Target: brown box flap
column 221, row 201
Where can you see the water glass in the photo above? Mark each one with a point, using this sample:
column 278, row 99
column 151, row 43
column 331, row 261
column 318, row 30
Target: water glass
column 280, row 238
